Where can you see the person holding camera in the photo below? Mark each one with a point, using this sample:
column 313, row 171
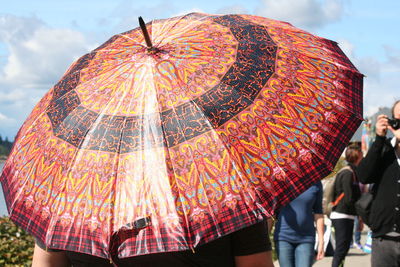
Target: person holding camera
column 381, row 166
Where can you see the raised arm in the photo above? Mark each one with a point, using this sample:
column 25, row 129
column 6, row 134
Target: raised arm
column 370, row 168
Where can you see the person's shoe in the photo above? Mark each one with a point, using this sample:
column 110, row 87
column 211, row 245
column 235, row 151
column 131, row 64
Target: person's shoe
column 358, row 245
column 367, row 249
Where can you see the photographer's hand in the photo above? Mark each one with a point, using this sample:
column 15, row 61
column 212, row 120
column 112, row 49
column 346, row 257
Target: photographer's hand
column 381, row 125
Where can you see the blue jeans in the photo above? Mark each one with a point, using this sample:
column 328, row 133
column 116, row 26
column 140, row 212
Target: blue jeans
column 357, row 233
column 295, row 254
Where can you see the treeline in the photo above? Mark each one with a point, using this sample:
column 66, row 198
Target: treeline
column 5, row 146
column 16, row 245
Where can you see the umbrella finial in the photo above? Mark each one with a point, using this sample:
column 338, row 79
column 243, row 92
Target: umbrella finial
column 145, row 33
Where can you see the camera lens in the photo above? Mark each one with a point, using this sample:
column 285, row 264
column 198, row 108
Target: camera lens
column 395, row 123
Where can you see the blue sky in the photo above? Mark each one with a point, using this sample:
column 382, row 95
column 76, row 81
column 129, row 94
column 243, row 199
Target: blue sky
column 40, row 39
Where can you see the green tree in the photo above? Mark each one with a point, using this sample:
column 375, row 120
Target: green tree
column 16, row 246
column 3, row 150
column 5, row 147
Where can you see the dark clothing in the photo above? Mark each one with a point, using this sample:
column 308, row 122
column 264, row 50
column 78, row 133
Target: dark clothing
column 295, row 222
column 347, row 183
column 380, row 167
column 386, row 253
column 221, row 252
column 343, row 239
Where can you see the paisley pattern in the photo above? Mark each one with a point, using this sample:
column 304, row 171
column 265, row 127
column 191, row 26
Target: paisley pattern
column 136, row 152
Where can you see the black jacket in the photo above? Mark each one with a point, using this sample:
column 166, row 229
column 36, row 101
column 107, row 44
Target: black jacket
column 346, row 182
column 381, row 168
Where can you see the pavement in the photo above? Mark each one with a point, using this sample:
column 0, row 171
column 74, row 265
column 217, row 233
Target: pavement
column 354, row 258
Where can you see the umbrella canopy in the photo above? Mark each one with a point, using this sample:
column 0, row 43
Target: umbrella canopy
column 209, row 126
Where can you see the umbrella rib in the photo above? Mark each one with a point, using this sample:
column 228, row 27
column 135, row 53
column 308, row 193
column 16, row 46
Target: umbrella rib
column 64, row 188
column 77, row 152
column 186, row 217
column 192, row 156
column 178, row 187
column 113, row 212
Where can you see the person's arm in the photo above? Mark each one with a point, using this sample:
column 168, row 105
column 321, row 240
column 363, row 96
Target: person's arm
column 346, row 179
column 252, row 247
column 370, row 168
column 43, row 258
column 319, row 221
column 262, row 259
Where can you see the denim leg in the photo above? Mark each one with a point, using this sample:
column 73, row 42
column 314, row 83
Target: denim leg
column 357, row 237
column 304, row 255
column 285, row 252
column 357, row 234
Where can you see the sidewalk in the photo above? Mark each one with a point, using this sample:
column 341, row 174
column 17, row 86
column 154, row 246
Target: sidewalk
column 355, row 257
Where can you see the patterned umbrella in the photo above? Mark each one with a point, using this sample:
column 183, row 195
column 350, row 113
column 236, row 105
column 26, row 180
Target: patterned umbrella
column 208, row 126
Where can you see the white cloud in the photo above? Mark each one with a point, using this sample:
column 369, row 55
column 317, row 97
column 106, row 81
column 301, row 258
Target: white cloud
column 125, row 14
column 234, row 9
column 377, row 95
column 381, row 76
column 393, row 62
column 4, row 118
column 347, row 47
column 371, row 67
column 7, row 122
column 14, row 29
column 188, row 11
column 11, row 96
column 303, row 13
column 381, row 82
column 38, row 55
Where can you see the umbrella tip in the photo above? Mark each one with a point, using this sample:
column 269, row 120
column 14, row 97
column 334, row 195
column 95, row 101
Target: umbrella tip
column 145, row 33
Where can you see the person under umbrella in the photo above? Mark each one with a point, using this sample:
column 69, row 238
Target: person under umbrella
column 207, row 129
column 249, row 247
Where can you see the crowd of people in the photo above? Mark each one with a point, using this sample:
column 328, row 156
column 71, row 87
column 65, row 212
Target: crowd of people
column 300, row 224
column 379, row 172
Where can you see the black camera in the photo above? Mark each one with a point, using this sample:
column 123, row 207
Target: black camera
column 395, row 123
